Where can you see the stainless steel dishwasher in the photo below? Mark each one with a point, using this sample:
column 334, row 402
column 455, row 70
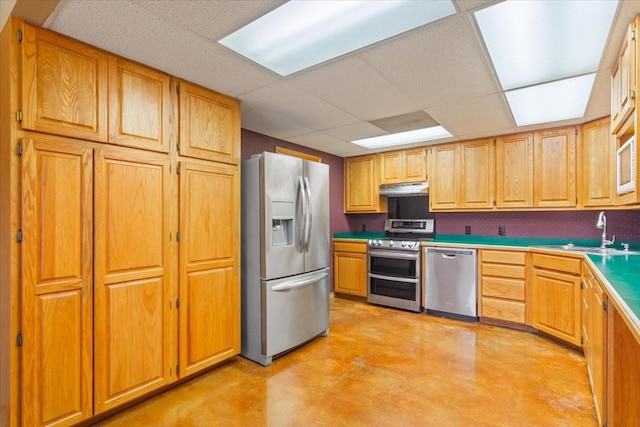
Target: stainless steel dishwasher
column 451, row 282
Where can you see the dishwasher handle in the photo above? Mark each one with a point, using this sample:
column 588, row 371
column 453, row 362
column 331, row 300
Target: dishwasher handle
column 450, row 253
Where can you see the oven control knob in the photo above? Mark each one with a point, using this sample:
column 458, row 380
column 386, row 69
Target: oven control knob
column 392, row 243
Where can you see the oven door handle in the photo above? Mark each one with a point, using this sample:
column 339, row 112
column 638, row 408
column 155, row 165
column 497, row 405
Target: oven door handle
column 393, row 279
column 394, row 254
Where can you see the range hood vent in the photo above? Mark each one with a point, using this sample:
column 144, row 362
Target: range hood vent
column 406, row 189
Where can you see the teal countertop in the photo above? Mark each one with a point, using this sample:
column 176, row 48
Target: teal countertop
column 621, row 272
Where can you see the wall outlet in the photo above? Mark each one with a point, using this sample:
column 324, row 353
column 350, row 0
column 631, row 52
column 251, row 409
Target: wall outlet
column 364, row 227
column 501, row 230
column 467, row 229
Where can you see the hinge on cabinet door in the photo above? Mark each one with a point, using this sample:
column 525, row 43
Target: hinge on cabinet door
column 19, row 116
column 632, row 93
column 633, row 34
column 19, row 339
column 178, row 89
column 178, row 170
column 494, row 202
column 581, row 285
column 170, row 371
column 178, row 370
column 19, row 236
column 178, row 303
column 581, row 340
column 494, row 142
column 178, row 146
column 19, row 36
column 178, row 236
column 19, row 150
column 605, row 305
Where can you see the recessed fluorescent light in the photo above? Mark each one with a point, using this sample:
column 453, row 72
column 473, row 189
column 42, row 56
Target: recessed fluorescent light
column 560, row 100
column 533, row 42
column 300, row 34
column 401, row 138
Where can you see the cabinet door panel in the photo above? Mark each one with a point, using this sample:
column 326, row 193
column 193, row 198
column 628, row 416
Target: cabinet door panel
column 139, row 105
column 361, row 185
column 209, row 265
column 415, row 165
column 391, row 167
column 57, row 290
column 478, row 179
column 64, row 84
column 555, row 173
column 132, row 319
column 351, row 273
column 598, row 164
column 209, row 125
column 514, row 171
column 445, row 182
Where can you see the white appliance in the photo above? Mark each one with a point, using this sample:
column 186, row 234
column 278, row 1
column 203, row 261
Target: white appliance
column 626, row 167
column 285, row 254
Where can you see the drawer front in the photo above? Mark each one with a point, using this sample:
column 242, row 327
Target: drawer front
column 511, row 311
column 503, row 270
column 550, row 262
column 503, row 288
column 350, row 247
column 502, row 257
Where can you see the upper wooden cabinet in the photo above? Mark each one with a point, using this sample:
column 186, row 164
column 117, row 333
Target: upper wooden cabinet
column 444, row 186
column 478, row 176
column 64, row 86
column 362, row 185
column 554, row 184
column 140, row 107
column 514, row 171
column 209, row 124
column 403, row 166
column 623, row 80
column 598, row 165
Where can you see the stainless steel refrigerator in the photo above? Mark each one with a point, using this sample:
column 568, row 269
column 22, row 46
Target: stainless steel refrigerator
column 285, row 254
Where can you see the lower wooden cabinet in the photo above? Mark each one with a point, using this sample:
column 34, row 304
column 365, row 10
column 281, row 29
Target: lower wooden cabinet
column 503, row 286
column 556, row 298
column 350, row 268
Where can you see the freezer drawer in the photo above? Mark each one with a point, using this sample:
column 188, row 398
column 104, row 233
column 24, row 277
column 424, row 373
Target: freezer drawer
column 294, row 310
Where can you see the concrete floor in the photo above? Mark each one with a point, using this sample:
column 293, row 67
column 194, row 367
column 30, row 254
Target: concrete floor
column 386, row 367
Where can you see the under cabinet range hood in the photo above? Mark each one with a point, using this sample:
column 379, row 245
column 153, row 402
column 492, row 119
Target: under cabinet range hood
column 405, row 189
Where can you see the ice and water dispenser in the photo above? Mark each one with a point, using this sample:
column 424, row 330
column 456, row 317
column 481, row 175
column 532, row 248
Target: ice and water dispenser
column 282, row 216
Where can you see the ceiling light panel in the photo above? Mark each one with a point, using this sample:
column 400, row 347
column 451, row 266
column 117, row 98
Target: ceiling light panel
column 300, row 34
column 532, row 42
column 560, row 100
column 419, row 135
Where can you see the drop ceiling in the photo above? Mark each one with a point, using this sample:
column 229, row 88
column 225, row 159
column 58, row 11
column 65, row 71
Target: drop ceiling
column 441, row 70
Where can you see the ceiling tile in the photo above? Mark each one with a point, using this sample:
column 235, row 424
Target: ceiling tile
column 356, row 87
column 323, row 142
column 285, row 99
column 474, row 116
column 440, row 64
column 270, row 123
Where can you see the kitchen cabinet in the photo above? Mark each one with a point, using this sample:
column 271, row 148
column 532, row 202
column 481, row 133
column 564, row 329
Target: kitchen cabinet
column 514, row 171
column 555, row 302
column 403, row 166
column 623, row 80
column 350, row 268
column 598, row 164
column 362, row 185
column 64, row 85
column 444, row 187
column 57, row 305
column 209, row 127
column 132, row 336
column 120, row 257
column 594, row 303
column 623, row 375
column 554, row 184
column 478, row 176
column 140, row 105
column 503, row 286
column 209, row 264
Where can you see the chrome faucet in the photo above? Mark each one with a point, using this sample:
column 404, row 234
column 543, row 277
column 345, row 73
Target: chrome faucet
column 602, row 224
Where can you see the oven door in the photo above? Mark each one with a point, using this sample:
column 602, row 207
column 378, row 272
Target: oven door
column 394, row 279
column 394, row 263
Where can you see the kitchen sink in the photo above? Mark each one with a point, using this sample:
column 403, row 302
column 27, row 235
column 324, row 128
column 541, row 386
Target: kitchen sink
column 590, row 250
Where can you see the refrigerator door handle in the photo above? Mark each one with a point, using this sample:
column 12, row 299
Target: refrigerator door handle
column 309, row 219
column 301, row 220
column 299, row 283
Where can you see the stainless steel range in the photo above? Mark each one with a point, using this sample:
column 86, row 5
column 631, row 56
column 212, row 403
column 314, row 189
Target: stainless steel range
column 394, row 263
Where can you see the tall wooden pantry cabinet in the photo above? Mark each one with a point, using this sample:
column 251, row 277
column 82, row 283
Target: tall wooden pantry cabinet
column 119, row 229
